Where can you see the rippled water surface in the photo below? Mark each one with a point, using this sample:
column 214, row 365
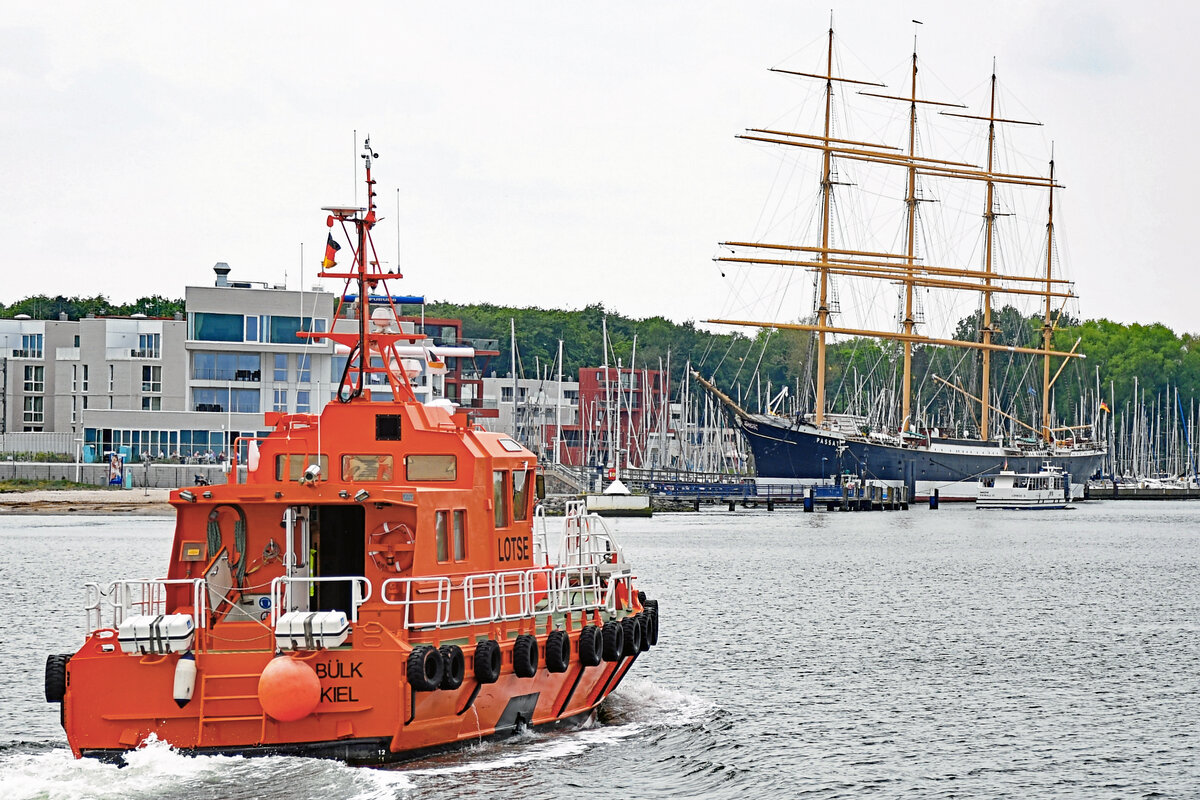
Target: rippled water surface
column 954, row 653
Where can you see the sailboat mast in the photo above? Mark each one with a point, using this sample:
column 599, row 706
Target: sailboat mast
column 1047, row 326
column 989, row 218
column 910, row 251
column 826, row 197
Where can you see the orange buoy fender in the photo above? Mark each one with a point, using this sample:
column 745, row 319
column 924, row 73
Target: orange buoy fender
column 288, row 689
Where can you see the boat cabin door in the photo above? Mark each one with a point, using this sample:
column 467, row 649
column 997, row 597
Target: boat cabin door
column 297, row 557
column 338, row 553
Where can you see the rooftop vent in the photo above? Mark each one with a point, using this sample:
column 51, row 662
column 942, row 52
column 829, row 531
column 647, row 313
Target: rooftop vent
column 222, row 270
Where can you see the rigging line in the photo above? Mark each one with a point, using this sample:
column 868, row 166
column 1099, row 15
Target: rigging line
column 732, row 340
column 763, row 352
column 741, row 366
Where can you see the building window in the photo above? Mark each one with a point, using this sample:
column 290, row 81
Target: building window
column 281, row 398
column 303, row 404
column 76, row 341
column 149, row 345
column 112, row 374
column 227, row 366
column 35, row 379
column 506, row 394
column 85, row 379
column 74, row 409
column 209, row 327
column 151, row 380
column 151, row 404
column 303, row 368
column 251, row 329
column 74, row 378
column 34, row 414
column 281, row 367
column 31, row 346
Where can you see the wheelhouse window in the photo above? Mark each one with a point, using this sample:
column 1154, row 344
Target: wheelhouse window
column 357, row 468
column 460, row 534
column 441, row 522
column 291, row 466
column 521, row 479
column 431, row 468
column 500, row 498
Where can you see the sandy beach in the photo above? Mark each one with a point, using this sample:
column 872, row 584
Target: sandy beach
column 148, row 502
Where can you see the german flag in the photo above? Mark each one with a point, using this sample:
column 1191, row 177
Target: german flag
column 331, row 249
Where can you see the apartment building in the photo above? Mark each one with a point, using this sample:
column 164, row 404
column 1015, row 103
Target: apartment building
column 189, row 387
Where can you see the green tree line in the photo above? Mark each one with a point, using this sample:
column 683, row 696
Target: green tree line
column 859, row 371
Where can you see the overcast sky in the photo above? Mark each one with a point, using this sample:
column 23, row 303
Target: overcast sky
column 555, row 154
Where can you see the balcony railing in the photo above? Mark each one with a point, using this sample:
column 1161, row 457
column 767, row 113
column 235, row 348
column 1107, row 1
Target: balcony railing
column 243, row 375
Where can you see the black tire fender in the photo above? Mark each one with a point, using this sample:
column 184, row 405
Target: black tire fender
column 591, row 646
column 487, row 661
column 56, row 677
column 525, row 656
column 633, row 636
column 614, row 640
column 425, row 668
column 651, row 634
column 558, row 651
column 454, row 666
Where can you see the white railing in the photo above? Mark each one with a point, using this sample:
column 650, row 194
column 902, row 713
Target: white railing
column 577, row 588
column 134, row 597
column 412, row 591
column 586, row 539
column 499, row 596
column 281, row 592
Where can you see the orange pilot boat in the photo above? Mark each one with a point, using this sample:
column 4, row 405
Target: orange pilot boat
column 374, row 582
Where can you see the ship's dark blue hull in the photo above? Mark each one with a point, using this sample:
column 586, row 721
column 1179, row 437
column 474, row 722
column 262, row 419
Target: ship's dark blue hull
column 802, row 453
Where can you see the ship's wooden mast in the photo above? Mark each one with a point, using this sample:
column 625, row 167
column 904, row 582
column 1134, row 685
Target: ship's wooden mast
column 826, row 193
column 826, row 214
column 989, row 222
column 1048, row 324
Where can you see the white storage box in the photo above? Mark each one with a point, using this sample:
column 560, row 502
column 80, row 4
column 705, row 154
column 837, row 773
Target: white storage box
column 156, row 634
column 311, row 630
